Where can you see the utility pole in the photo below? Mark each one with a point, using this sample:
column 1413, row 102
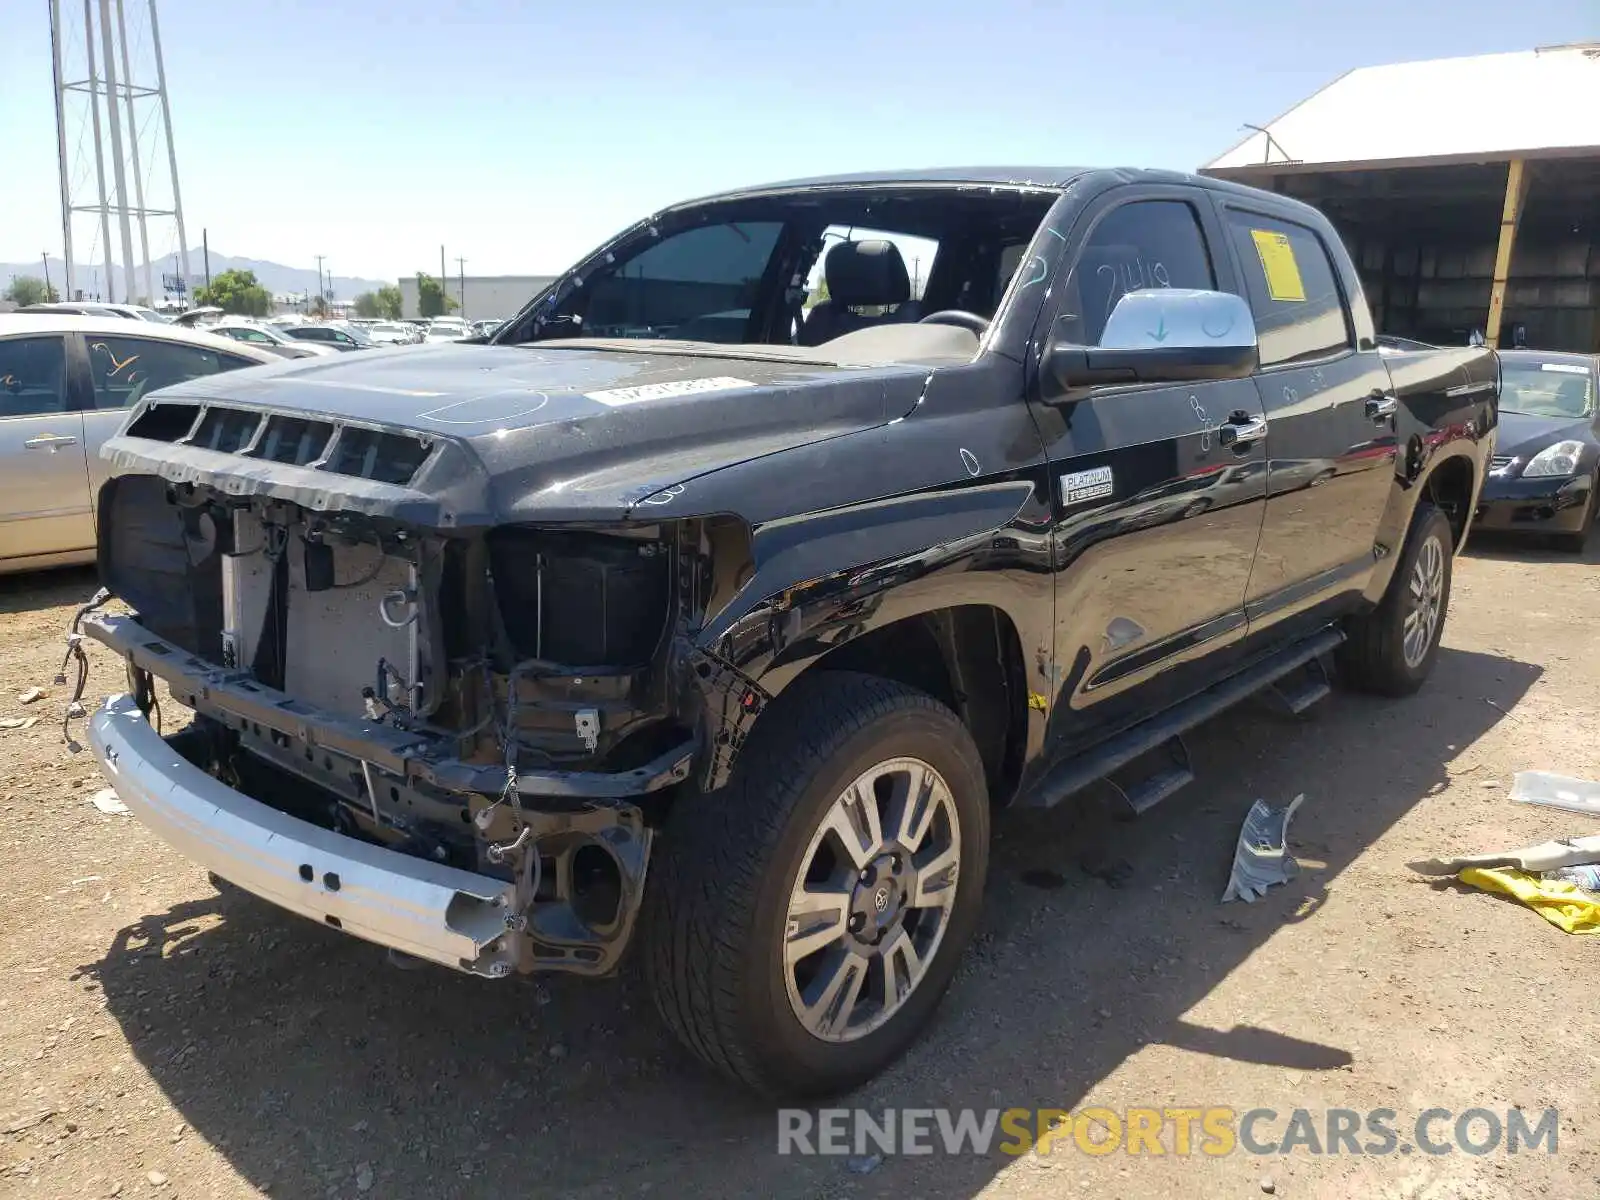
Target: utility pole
column 205, row 247
column 444, row 276
column 320, row 292
column 461, row 275
column 45, row 255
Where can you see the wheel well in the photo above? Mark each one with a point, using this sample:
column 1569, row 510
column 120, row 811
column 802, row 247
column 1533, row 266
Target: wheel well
column 1450, row 488
column 968, row 658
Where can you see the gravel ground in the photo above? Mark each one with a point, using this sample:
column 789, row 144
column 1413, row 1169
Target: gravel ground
column 160, row 1038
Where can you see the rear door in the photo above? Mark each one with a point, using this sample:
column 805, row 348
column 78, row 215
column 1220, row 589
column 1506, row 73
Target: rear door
column 1330, row 413
column 44, row 485
column 1156, row 519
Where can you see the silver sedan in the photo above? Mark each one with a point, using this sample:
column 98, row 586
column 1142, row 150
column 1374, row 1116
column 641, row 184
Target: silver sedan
column 65, row 385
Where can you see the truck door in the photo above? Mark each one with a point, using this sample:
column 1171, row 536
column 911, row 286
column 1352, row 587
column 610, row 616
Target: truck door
column 1330, row 413
column 1156, row 518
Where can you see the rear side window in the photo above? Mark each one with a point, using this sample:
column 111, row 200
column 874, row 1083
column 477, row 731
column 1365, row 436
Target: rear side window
column 1292, row 288
column 125, row 368
column 32, row 377
column 1144, row 244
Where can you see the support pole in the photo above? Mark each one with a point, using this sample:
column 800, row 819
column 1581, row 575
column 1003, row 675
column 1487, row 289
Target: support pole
column 118, row 172
column 172, row 155
column 150, row 296
column 1510, row 217
column 99, row 155
column 61, row 148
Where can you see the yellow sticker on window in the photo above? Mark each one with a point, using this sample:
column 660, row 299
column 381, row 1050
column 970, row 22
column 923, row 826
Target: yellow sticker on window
column 1277, row 261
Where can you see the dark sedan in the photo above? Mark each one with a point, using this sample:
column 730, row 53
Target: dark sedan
column 1545, row 476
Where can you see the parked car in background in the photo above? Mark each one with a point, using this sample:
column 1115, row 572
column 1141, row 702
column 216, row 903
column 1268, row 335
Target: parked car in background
column 448, row 329
column 394, row 333
column 194, row 318
column 267, row 337
column 1545, row 476
column 65, row 383
column 340, row 337
column 485, row 328
column 79, row 308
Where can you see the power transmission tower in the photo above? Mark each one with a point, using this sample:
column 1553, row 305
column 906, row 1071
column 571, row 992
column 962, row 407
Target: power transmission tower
column 104, row 93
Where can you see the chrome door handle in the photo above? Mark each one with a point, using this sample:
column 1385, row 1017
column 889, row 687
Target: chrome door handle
column 1381, row 407
column 1241, row 429
column 49, row 441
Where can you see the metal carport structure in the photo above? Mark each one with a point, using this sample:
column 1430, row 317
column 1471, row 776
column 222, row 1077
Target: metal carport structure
column 1467, row 190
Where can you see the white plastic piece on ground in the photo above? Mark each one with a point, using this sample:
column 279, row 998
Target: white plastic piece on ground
column 1547, row 856
column 18, row 722
column 107, row 801
column 32, row 694
column 1557, row 791
column 1262, row 857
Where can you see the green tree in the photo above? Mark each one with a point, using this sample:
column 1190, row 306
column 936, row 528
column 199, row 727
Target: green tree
column 431, row 298
column 30, row 289
column 366, row 305
column 390, row 303
column 236, row 292
column 319, row 307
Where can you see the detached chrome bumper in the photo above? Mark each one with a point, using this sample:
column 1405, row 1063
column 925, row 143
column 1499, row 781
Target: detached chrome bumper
column 448, row 916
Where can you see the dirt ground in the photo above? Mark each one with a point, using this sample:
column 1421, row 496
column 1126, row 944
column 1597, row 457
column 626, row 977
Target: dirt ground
column 160, row 1038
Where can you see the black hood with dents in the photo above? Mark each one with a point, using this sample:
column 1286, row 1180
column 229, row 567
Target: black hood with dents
column 502, row 433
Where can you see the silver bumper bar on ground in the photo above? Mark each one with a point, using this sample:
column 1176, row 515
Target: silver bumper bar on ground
column 448, row 916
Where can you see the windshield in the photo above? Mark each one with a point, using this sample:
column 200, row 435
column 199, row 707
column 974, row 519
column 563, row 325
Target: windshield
column 1548, row 389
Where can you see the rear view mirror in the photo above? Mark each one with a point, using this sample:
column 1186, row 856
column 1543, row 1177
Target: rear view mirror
column 1163, row 335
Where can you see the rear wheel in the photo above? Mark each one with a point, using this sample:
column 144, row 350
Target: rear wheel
column 805, row 921
column 1391, row 649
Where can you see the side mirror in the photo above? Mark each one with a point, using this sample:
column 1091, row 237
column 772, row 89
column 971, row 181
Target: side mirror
column 1162, row 335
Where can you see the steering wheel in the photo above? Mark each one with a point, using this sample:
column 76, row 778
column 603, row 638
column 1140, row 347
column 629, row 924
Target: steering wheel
column 958, row 317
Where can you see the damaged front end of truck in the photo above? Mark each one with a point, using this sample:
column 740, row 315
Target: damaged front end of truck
column 446, row 733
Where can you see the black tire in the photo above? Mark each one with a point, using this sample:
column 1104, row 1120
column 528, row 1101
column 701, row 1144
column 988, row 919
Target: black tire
column 715, row 920
column 1574, row 543
column 1374, row 658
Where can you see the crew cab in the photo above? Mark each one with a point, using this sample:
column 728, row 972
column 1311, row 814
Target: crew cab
column 720, row 599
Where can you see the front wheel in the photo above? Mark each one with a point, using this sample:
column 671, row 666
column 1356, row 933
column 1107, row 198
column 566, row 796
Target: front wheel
column 1391, row 649
column 805, row 921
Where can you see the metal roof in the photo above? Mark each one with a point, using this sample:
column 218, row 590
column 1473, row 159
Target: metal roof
column 1490, row 107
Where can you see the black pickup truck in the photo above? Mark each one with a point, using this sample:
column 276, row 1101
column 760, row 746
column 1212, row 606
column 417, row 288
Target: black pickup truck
column 731, row 586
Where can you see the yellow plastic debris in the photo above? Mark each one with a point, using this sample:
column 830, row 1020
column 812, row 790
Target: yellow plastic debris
column 1563, row 904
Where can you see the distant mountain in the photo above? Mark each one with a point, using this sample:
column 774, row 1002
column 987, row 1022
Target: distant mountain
column 275, row 277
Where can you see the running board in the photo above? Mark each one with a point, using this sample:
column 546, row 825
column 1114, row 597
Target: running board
column 1298, row 692
column 1075, row 774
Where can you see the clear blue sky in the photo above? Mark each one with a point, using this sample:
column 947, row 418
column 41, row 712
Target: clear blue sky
column 520, row 134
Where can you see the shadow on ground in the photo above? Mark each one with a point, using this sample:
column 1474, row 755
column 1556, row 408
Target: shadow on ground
column 303, row 1055
column 1530, row 548
column 37, row 590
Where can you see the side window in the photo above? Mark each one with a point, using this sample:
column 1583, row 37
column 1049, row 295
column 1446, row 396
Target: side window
column 1143, row 244
column 1292, row 289
column 33, row 373
column 698, row 285
column 125, row 368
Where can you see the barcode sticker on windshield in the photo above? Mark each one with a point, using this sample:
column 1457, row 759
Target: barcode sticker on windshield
column 1564, row 368
column 662, row 391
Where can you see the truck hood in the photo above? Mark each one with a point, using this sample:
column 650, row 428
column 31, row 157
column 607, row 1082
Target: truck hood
column 571, row 431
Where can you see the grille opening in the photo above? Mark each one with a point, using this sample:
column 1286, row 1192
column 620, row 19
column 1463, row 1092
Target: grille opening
column 382, row 457
column 164, row 422
column 293, row 440
column 225, row 430
column 602, row 600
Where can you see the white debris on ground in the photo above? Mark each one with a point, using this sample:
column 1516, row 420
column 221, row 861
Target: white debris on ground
column 107, row 801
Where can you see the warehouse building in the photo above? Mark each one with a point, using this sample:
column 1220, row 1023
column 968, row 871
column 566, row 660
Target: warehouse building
column 482, row 297
column 1467, row 190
